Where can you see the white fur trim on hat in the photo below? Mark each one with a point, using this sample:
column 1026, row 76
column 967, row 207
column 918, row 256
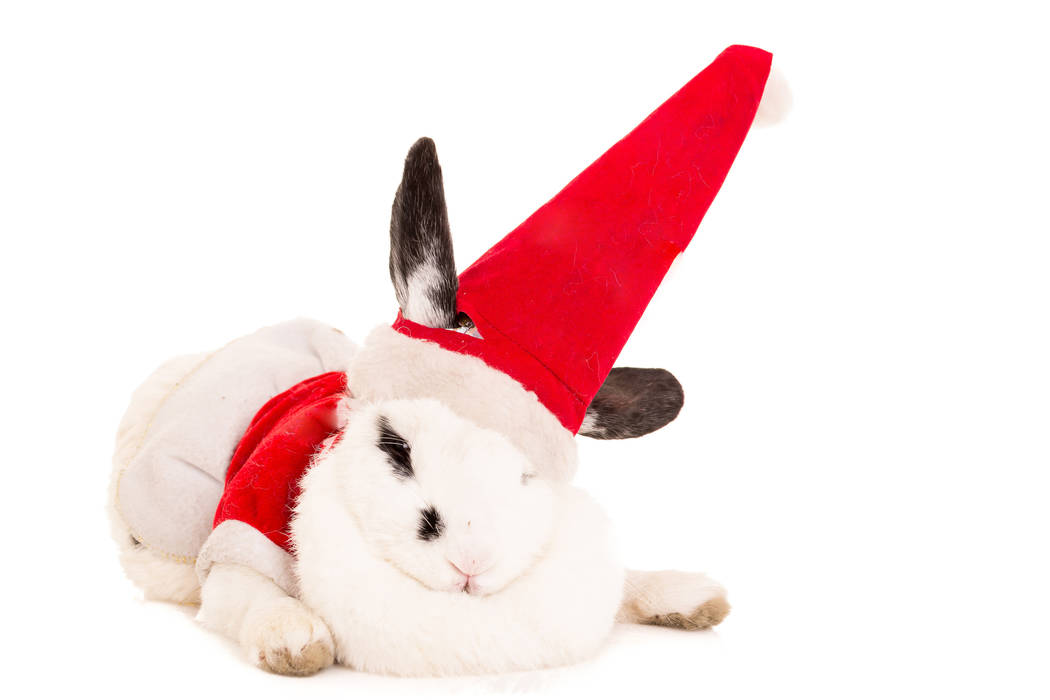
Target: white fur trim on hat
column 392, row 366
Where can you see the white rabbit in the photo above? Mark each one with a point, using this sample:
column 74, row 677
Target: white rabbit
column 542, row 584
column 435, row 531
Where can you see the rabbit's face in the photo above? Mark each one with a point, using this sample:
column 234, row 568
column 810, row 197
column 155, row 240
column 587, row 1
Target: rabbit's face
column 448, row 503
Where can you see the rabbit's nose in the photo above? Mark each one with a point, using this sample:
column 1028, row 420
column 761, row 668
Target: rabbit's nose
column 471, row 565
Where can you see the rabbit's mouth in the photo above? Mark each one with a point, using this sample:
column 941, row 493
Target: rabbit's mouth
column 477, row 586
column 467, row 581
column 471, row 586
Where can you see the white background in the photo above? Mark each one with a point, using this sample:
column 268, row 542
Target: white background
column 861, row 323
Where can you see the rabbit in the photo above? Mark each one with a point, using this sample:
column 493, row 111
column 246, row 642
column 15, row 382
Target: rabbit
column 435, row 530
column 521, row 574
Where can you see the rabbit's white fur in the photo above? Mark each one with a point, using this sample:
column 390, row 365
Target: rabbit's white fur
column 549, row 586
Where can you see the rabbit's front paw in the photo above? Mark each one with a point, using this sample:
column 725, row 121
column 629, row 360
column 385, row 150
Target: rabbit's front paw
column 286, row 638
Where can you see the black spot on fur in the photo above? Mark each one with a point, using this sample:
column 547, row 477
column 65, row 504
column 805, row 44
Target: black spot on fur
column 420, row 236
column 398, row 452
column 430, row 524
column 633, row 402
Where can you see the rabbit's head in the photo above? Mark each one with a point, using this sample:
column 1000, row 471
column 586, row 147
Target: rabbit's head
column 448, row 503
column 394, row 365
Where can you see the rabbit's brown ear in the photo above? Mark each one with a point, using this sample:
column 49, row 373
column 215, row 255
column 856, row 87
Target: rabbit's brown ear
column 422, row 266
column 633, row 402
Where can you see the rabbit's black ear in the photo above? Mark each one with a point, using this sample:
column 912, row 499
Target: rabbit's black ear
column 633, row 402
column 422, row 266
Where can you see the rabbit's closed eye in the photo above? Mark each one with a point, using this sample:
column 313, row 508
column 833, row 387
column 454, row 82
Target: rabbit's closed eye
column 397, row 449
column 430, row 524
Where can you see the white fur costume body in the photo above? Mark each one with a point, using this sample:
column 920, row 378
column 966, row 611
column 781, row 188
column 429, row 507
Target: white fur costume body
column 175, row 442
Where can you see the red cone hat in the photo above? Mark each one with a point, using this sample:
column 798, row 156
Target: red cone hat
column 556, row 300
